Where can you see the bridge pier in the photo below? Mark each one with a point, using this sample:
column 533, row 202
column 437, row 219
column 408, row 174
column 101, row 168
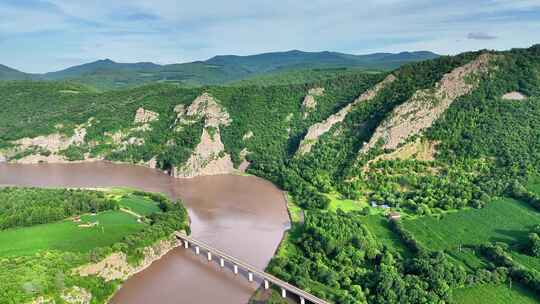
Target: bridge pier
column 251, row 271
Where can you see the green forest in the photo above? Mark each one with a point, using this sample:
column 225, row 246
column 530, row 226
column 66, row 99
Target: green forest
column 49, row 233
column 467, row 213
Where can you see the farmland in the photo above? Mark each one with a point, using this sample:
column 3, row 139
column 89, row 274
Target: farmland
column 503, row 220
column 38, row 257
column 494, row 294
column 68, row 236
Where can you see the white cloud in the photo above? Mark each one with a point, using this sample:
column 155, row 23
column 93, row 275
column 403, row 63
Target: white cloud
column 173, row 31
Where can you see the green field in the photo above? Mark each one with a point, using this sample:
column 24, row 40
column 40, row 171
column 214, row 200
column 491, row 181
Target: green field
column 494, row 294
column 295, row 212
column 138, row 204
column 347, row 205
column 380, row 227
column 67, row 236
column 503, row 220
column 534, row 185
column 526, row 261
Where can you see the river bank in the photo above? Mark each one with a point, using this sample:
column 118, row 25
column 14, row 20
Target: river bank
column 241, row 215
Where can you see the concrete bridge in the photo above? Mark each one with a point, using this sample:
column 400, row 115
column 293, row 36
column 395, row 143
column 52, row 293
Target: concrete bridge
column 214, row 254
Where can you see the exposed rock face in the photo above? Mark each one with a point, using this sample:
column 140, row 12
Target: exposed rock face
column 52, row 143
column 316, row 92
column 143, row 116
column 419, row 149
column 152, row 163
column 245, row 163
column 76, row 295
column 116, row 266
column 309, row 103
column 514, row 96
column 318, row 129
column 206, row 107
column 426, row 106
column 209, row 157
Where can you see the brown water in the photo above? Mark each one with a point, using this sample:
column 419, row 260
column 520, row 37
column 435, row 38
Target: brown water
column 243, row 216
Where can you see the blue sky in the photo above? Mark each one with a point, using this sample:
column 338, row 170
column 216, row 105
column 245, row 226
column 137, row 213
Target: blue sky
column 48, row 35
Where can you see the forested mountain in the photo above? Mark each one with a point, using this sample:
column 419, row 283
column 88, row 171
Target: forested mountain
column 107, row 74
column 448, row 149
column 7, row 73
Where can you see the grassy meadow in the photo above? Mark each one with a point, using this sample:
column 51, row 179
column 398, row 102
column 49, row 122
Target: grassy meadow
column 379, row 226
column 138, row 204
column 503, row 220
column 494, row 294
column 346, row 205
column 66, row 235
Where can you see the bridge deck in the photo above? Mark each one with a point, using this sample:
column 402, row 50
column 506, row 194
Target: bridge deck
column 261, row 274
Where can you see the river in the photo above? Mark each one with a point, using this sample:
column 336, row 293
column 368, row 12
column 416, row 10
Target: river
column 241, row 215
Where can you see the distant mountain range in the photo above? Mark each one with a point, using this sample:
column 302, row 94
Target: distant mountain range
column 107, row 74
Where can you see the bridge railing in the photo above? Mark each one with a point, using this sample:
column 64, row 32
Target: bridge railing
column 251, row 270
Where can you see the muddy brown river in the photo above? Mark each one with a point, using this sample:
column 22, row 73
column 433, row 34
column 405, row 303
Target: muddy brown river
column 244, row 216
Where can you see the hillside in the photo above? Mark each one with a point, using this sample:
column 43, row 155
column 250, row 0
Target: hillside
column 107, row 74
column 7, row 73
column 442, row 143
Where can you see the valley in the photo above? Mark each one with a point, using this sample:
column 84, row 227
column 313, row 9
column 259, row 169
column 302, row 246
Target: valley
column 412, row 185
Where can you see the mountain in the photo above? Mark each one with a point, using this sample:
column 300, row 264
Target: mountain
column 7, row 73
column 268, row 62
column 419, row 184
column 105, row 67
column 107, row 74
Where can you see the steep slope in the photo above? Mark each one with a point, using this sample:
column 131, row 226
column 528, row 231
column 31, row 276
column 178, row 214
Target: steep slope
column 317, row 130
column 426, row 106
column 208, row 157
column 427, row 145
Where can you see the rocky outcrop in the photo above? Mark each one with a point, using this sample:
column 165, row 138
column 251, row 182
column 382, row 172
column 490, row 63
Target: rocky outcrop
column 426, row 106
column 514, row 96
column 51, row 144
column 207, row 108
column 245, row 163
column 309, row 103
column 209, row 157
column 116, row 266
column 143, row 116
column 74, row 295
column 318, row 129
column 420, row 149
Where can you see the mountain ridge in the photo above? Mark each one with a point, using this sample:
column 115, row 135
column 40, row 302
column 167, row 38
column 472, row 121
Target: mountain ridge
column 221, row 69
column 447, row 147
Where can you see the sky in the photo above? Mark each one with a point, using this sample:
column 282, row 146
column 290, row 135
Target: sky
column 48, row 35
